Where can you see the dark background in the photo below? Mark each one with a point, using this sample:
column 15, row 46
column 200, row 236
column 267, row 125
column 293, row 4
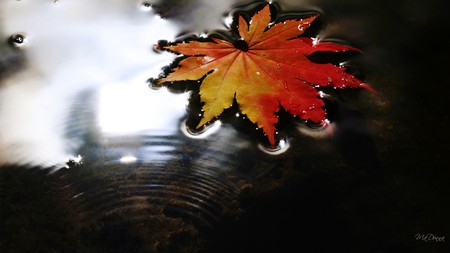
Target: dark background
column 373, row 187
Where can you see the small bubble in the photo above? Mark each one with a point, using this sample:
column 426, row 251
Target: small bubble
column 17, row 40
column 146, row 5
column 237, row 115
column 258, row 73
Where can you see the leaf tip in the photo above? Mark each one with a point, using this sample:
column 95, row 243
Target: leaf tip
column 369, row 88
column 326, row 124
column 202, row 122
column 161, row 45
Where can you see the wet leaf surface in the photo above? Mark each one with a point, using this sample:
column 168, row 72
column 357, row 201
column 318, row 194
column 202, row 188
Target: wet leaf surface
column 266, row 66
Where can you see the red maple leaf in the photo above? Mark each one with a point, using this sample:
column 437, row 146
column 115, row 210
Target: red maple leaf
column 267, row 66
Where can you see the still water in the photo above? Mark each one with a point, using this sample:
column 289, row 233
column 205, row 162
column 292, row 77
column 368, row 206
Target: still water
column 95, row 160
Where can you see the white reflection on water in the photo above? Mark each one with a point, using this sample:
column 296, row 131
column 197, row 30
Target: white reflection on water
column 127, row 108
column 128, row 159
column 73, row 46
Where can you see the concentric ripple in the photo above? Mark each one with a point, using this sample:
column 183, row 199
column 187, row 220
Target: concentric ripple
column 166, row 184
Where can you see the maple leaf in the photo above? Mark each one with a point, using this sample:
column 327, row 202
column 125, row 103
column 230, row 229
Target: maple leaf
column 265, row 68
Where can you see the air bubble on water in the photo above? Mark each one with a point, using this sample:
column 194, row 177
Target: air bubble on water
column 281, row 147
column 146, row 6
column 201, row 132
column 18, row 40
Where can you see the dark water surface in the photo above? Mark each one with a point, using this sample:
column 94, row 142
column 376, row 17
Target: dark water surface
column 92, row 160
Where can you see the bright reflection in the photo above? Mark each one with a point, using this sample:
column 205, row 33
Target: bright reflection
column 202, row 133
column 127, row 109
column 73, row 46
column 282, row 147
column 128, row 159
